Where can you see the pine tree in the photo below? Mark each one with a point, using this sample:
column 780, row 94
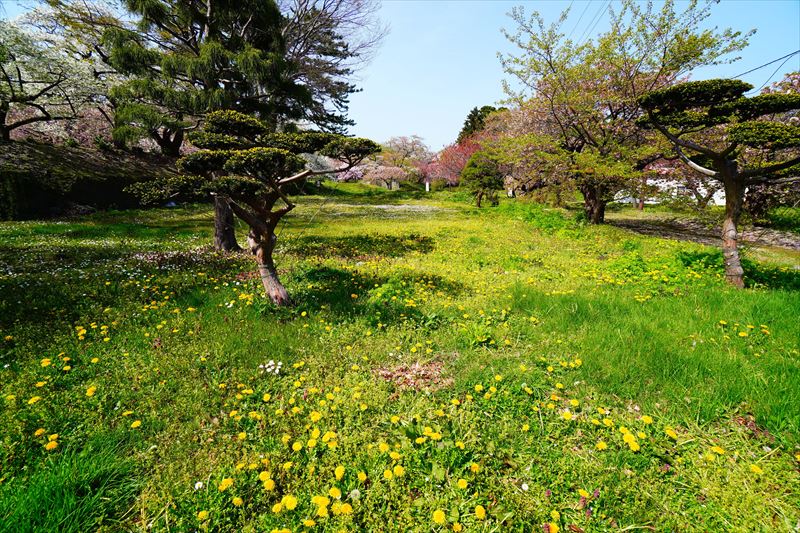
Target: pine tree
column 253, row 171
column 752, row 148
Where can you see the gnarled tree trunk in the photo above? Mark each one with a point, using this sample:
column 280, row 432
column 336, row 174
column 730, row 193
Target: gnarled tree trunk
column 734, row 197
column 5, row 132
column 262, row 244
column 224, row 227
column 593, row 204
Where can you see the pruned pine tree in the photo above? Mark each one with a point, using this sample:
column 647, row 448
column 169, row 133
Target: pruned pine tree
column 253, row 171
column 483, row 177
column 751, row 147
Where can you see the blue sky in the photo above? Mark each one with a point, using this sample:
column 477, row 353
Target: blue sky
column 440, row 57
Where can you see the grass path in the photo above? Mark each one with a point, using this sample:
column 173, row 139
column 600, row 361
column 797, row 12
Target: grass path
column 444, row 369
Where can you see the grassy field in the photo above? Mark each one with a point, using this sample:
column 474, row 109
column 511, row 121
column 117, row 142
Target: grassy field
column 444, row 369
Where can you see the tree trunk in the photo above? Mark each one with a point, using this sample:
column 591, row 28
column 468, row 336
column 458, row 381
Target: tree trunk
column 224, row 227
column 593, row 204
column 478, row 198
column 262, row 247
column 734, row 196
column 169, row 144
column 5, row 132
column 640, row 204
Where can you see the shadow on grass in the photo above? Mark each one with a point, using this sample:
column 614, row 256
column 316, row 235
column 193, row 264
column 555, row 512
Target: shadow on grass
column 360, row 246
column 368, row 194
column 385, row 299
column 756, row 275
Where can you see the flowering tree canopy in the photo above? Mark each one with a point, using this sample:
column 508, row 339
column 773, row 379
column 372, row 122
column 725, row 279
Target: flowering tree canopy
column 39, row 81
column 585, row 94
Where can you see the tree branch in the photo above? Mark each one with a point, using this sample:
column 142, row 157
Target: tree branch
column 755, row 172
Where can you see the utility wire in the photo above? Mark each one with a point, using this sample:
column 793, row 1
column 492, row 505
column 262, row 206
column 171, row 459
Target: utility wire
column 766, row 65
column 598, row 20
column 589, row 27
column 585, row 9
column 773, row 73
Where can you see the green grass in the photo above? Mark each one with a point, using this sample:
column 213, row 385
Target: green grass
column 513, row 339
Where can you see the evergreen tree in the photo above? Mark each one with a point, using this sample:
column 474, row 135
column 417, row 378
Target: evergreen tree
column 475, row 121
column 483, row 177
column 253, row 171
column 751, row 148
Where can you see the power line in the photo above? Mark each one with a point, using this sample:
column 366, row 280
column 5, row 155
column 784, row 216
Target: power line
column 766, row 65
column 773, row 73
column 589, row 27
column 598, row 20
column 585, row 9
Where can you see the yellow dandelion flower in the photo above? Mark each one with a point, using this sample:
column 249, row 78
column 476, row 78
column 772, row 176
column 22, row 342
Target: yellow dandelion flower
column 136, row 423
column 398, row 470
column 756, row 469
column 601, row 445
column 225, row 484
column 461, row 483
column 51, row 445
column 647, row 419
column 202, row 515
column 362, row 477
column 387, row 474
column 335, row 493
column 339, row 471
column 237, row 501
column 289, row 501
column 480, row 512
column 439, row 517
column 34, row 399
column 346, row 508
column 39, row 432
column 718, row 450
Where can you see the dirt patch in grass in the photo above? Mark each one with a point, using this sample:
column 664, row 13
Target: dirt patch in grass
column 417, row 376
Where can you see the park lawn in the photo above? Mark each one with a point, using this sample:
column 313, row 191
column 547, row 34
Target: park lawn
column 443, row 368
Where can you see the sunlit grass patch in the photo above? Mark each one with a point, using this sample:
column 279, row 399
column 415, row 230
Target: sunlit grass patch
column 442, row 369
